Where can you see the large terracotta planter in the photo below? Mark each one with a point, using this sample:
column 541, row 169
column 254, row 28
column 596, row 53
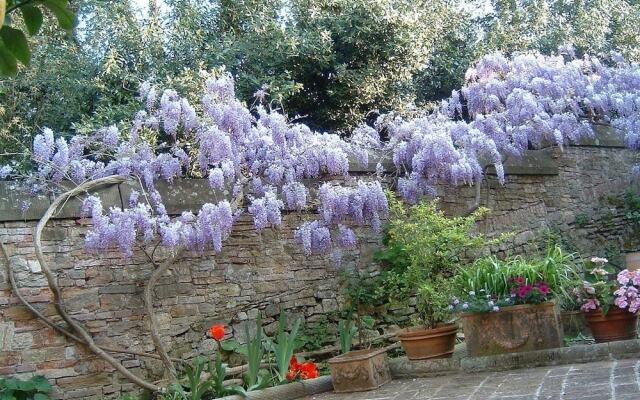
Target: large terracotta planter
column 618, row 324
column 574, row 323
column 525, row 327
column 421, row 343
column 359, row 370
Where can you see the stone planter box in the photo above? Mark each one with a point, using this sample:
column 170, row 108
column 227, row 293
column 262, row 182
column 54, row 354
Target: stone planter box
column 513, row 329
column 360, row 370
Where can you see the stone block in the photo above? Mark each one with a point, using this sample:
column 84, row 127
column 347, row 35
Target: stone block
column 12, row 199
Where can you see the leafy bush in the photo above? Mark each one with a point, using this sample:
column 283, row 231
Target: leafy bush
column 36, row 388
column 424, row 248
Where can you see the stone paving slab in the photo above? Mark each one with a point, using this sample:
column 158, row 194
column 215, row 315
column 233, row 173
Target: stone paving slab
column 604, row 380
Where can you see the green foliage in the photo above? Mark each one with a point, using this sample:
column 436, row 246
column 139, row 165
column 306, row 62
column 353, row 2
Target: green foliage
column 14, row 45
column 593, row 26
column 492, row 276
column 255, row 354
column 632, row 207
column 581, row 220
column 361, row 291
column 36, row 388
column 424, row 248
column 433, row 300
column 284, row 345
column 315, row 335
column 347, row 332
column 197, row 387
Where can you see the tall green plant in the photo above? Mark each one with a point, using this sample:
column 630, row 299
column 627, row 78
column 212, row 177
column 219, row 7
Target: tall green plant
column 284, row 345
column 255, row 354
column 347, row 332
column 492, row 275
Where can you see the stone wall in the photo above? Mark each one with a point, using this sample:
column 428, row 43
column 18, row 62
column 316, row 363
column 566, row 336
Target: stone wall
column 572, row 193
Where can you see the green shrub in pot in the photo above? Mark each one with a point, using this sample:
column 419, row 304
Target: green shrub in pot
column 423, row 250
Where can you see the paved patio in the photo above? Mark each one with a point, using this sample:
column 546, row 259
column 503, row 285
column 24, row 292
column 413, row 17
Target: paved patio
column 614, row 380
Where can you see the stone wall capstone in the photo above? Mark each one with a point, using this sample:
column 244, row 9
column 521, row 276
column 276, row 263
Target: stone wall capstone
column 570, row 192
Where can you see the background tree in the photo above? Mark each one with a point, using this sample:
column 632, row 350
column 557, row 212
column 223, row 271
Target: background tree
column 14, row 46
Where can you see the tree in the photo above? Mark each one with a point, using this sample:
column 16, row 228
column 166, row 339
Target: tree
column 591, row 26
column 14, row 46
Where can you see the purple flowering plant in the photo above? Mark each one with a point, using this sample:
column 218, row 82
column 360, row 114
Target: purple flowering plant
column 602, row 288
column 260, row 164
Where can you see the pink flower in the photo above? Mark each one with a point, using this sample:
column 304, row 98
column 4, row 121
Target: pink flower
column 523, row 291
column 623, row 277
column 543, row 287
column 590, row 305
column 621, row 302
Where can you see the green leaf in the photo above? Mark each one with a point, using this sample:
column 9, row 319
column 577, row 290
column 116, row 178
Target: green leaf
column 32, row 19
column 40, row 396
column 65, row 17
column 41, row 384
column 16, row 42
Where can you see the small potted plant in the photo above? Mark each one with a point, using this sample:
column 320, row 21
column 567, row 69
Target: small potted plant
column 610, row 302
column 423, row 250
column 357, row 370
column 507, row 306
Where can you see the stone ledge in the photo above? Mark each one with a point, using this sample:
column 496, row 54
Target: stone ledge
column 403, row 368
column 289, row 391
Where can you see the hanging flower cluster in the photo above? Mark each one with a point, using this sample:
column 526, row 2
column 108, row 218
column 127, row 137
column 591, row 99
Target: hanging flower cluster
column 510, row 105
column 257, row 161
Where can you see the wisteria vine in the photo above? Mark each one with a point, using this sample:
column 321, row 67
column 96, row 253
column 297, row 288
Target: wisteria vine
column 262, row 164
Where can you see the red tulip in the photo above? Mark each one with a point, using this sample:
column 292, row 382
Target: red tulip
column 217, row 331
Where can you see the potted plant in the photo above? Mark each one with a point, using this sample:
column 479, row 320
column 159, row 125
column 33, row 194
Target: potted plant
column 507, row 305
column 423, row 249
column 366, row 368
column 357, row 370
column 610, row 305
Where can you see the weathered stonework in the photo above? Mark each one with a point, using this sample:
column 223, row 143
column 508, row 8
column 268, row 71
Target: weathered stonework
column 259, row 273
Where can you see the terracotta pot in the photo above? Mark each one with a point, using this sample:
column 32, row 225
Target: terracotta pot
column 420, row 343
column 574, row 323
column 618, row 324
column 359, row 370
column 513, row 329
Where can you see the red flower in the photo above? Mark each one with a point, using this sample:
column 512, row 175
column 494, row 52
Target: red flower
column 309, row 370
column 305, row 370
column 217, row 331
column 523, row 291
column 543, row 287
column 291, row 375
column 293, row 363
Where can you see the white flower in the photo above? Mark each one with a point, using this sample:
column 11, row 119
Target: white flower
column 599, row 260
column 472, row 293
column 491, row 303
column 496, row 308
column 465, row 306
